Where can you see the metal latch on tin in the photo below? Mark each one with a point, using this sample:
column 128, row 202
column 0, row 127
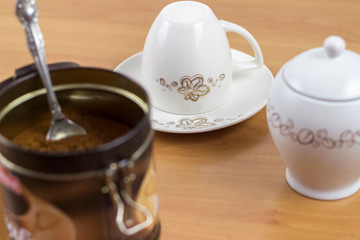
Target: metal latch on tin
column 126, row 167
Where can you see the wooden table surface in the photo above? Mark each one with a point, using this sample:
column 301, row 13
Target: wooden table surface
column 225, row 184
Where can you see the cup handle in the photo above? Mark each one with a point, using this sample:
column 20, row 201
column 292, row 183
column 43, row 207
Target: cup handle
column 249, row 65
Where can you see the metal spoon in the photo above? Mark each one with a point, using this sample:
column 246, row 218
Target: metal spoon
column 60, row 126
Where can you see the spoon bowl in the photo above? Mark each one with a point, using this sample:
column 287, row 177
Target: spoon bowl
column 62, row 127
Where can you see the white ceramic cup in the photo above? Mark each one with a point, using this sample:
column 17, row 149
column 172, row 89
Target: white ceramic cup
column 187, row 63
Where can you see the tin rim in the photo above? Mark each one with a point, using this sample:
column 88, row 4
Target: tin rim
column 104, row 153
column 99, row 148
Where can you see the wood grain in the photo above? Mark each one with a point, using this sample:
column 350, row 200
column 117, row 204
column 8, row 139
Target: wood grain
column 226, row 184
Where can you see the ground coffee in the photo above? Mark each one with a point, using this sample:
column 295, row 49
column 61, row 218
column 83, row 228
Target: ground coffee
column 99, row 131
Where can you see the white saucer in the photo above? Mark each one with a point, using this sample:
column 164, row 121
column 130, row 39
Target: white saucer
column 249, row 94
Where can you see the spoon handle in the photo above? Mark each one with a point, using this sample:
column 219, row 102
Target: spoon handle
column 27, row 12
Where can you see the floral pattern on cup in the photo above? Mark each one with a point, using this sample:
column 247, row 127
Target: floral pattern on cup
column 315, row 138
column 165, row 84
column 218, row 80
column 192, row 87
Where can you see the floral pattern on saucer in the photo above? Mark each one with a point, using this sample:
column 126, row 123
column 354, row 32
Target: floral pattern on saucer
column 195, row 123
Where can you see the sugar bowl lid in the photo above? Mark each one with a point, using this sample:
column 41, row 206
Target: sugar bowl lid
column 329, row 73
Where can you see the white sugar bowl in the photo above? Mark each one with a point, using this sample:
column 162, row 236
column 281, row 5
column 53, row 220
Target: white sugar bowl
column 313, row 115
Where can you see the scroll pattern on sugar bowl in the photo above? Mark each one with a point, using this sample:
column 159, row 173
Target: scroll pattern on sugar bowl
column 307, row 136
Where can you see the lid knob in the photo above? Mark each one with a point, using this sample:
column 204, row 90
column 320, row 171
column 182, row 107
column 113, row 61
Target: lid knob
column 334, row 46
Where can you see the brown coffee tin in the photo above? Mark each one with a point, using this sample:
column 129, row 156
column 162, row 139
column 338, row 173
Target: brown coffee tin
column 104, row 193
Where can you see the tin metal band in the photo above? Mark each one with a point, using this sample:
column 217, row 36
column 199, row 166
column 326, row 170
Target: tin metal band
column 74, row 176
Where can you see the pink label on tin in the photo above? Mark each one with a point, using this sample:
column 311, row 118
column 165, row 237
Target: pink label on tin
column 9, row 181
column 16, row 232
